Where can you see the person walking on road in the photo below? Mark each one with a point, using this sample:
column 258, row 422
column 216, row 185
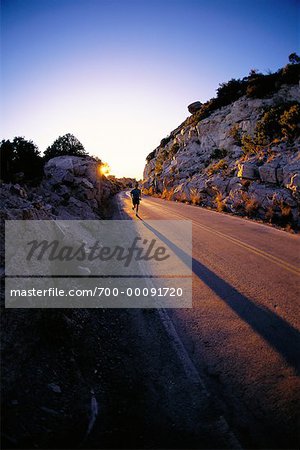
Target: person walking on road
column 136, row 198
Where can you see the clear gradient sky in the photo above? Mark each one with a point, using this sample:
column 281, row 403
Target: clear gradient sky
column 119, row 74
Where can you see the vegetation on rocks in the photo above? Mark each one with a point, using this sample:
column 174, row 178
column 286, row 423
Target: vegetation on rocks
column 277, row 124
column 67, row 144
column 255, row 85
column 20, row 159
column 65, row 186
column 217, row 167
column 239, row 152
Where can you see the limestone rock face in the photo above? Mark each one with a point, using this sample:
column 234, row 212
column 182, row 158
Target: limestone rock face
column 74, row 187
column 71, row 189
column 270, row 173
column 248, row 171
column 204, row 163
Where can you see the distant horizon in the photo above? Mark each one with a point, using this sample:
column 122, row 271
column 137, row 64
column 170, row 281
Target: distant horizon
column 120, row 74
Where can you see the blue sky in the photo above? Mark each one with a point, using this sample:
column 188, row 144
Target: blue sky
column 119, row 74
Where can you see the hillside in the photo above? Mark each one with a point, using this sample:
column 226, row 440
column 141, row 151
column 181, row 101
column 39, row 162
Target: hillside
column 238, row 153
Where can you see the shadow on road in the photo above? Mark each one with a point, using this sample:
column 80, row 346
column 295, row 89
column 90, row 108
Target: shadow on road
column 282, row 336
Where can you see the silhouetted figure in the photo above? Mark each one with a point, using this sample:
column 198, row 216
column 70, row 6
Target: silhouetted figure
column 136, row 197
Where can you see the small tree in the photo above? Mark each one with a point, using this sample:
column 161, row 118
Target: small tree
column 289, row 122
column 230, row 91
column 20, row 155
column 294, row 58
column 65, row 145
column 8, row 156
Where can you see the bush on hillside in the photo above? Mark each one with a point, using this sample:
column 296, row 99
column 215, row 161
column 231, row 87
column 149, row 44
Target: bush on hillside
column 151, row 156
column 230, row 91
column 165, row 141
column 65, row 145
column 219, row 153
column 20, row 157
column 277, row 123
column 219, row 166
column 256, row 85
column 289, row 122
column 174, row 149
column 235, row 133
column 290, row 74
column 260, row 86
column 294, row 58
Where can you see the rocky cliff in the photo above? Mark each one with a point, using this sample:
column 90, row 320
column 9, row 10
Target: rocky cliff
column 71, row 188
column 241, row 158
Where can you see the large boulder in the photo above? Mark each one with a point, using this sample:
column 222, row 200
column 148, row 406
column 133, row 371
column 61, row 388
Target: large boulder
column 216, row 184
column 72, row 182
column 194, row 107
column 60, row 168
column 248, row 170
column 268, row 173
column 234, row 185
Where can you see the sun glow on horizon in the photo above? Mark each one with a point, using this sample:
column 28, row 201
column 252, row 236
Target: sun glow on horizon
column 104, row 169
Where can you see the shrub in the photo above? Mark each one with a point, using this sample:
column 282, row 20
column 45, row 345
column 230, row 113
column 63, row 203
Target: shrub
column 8, row 156
column 249, row 146
column 270, row 213
column 289, row 122
column 230, row 91
column 174, row 149
column 268, row 127
column 294, row 58
column 217, row 167
column 218, row 153
column 195, row 196
column 158, row 166
column 167, row 193
column 165, row 141
column 149, row 191
column 277, row 123
column 65, row 145
column 286, row 210
column 260, row 86
column 151, row 156
column 235, row 133
column 251, row 205
column 280, row 213
column 219, row 202
column 18, row 156
column 289, row 74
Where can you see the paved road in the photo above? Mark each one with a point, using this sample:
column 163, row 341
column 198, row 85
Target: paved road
column 242, row 333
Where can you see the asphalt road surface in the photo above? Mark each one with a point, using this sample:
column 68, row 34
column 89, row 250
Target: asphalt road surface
column 242, row 334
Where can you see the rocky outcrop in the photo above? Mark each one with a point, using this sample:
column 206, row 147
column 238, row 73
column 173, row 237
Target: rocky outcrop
column 206, row 163
column 72, row 188
column 248, row 171
column 194, row 107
